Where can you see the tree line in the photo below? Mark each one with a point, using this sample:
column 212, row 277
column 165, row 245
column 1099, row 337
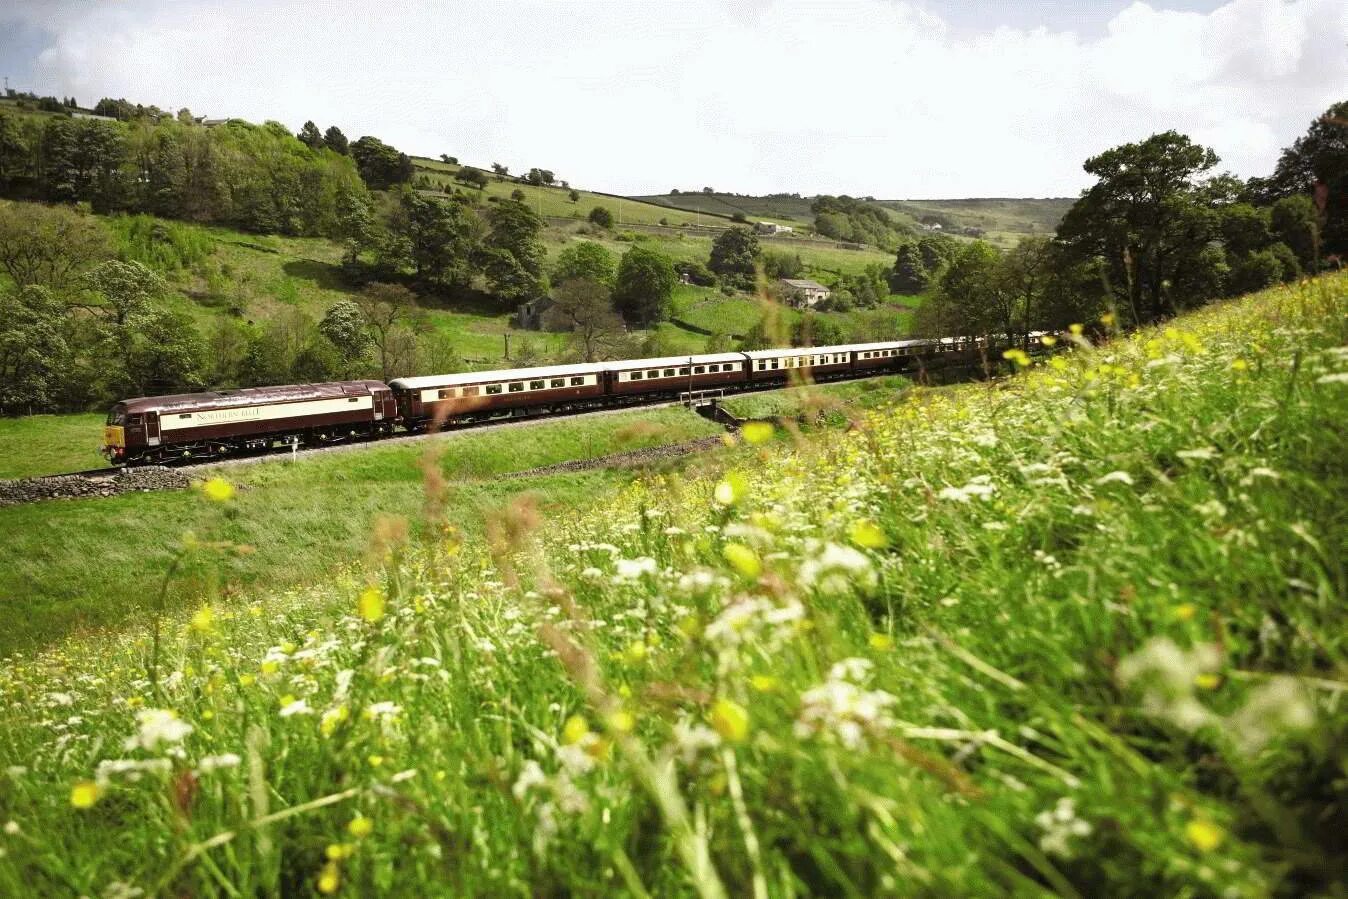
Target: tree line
column 1159, row 232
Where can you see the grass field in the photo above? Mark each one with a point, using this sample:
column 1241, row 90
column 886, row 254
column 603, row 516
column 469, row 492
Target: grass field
column 50, row 444
column 1077, row 633
column 91, row 563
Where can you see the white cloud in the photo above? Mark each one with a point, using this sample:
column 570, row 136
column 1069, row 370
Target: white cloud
column 866, row 96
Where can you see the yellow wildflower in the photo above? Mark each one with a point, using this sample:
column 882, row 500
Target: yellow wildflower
column 621, row 721
column 329, row 879
column 1017, row 356
column 371, row 604
column 218, row 490
column 270, row 666
column 1048, row 340
column 730, row 720
column 574, row 730
column 757, row 432
column 1239, row 365
column 1204, row 835
column 204, row 620
column 1076, row 330
column 1186, row 611
column 246, row 680
column 375, row 760
column 84, row 794
column 1107, row 319
column 864, row 532
column 881, row 642
column 764, row 683
column 1207, row 681
column 360, row 827
column 338, row 851
column 635, row 652
column 743, row 559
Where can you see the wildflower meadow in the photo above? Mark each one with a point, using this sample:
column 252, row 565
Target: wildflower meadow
column 1075, row 631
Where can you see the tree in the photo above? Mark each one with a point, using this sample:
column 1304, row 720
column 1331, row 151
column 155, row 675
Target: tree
column 1295, row 222
column 583, row 308
column 162, row 354
column 1255, row 271
column 123, row 290
column 13, row 149
column 970, row 297
column 380, row 165
column 910, row 275
column 514, row 230
column 584, row 259
column 357, row 226
column 345, row 327
column 1145, row 218
column 472, row 177
column 336, row 141
column 734, row 257
column 449, row 160
column 501, row 171
column 540, row 177
column 815, row 330
column 391, row 316
column 574, row 195
column 518, row 195
column 47, row 245
column 33, row 350
column 1245, row 228
column 644, row 287
column 601, row 216
column 310, row 136
column 1316, row 165
column 435, row 236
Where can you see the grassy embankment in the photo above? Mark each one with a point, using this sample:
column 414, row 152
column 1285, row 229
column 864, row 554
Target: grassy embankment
column 92, row 563
column 50, row 444
column 1078, row 632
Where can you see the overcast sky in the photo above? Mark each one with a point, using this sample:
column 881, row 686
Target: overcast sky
column 932, row 98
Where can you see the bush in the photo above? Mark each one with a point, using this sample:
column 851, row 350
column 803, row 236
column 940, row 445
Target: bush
column 601, row 216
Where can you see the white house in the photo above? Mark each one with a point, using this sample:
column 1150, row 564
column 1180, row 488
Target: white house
column 772, row 228
column 804, row 293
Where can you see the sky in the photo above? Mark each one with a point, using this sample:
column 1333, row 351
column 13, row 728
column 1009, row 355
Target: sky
column 885, row 98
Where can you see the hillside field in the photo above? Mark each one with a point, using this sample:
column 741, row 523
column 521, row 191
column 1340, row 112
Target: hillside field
column 1074, row 632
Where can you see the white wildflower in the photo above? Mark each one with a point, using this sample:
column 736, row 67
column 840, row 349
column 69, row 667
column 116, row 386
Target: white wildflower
column 1338, row 377
column 834, row 568
column 531, row 776
column 633, row 569
column 1060, row 825
column 1199, row 454
column 1166, row 675
column 298, row 707
column 1116, row 477
column 129, row 769
column 157, row 726
column 217, row 762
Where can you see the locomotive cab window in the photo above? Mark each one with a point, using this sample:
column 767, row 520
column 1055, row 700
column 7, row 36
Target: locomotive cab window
column 493, row 388
column 577, row 382
column 134, row 419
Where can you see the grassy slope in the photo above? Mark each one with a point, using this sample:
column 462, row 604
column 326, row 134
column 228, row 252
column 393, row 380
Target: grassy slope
column 64, row 559
column 49, row 444
column 961, row 651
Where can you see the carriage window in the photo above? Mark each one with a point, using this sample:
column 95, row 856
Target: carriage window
column 669, row 373
column 577, row 382
column 516, row 386
column 470, row 391
column 699, row 369
column 557, row 382
column 683, row 371
column 535, row 385
column 634, row 376
column 653, row 373
column 774, row 363
column 713, row 368
column 493, row 388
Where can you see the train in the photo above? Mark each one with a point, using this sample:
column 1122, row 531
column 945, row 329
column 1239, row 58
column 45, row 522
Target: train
column 195, row 426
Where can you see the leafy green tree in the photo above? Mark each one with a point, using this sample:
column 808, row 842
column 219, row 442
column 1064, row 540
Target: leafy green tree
column 310, row 136
column 1144, row 217
column 500, row 171
column 1255, row 271
column 1316, row 165
column 910, row 275
column 574, row 196
column 816, row 330
column 970, row 296
column 514, row 230
column 601, row 216
column 380, row 165
column 472, row 177
column 583, row 308
column 33, row 350
column 123, row 291
column 13, row 150
column 644, row 287
column 1295, row 222
column 163, row 354
column 357, row 226
column 540, row 177
column 48, row 245
column 584, row 259
column 82, row 161
column 734, row 257
column 1245, row 228
column 518, row 195
column 336, row 141
column 345, row 327
column 436, row 237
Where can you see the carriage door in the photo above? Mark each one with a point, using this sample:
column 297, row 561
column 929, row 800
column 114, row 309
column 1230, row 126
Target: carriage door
column 151, row 428
column 381, row 399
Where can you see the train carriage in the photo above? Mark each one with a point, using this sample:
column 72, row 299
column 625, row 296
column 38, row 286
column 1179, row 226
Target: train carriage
column 676, row 374
column 162, row 428
column 470, row 396
column 805, row 362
